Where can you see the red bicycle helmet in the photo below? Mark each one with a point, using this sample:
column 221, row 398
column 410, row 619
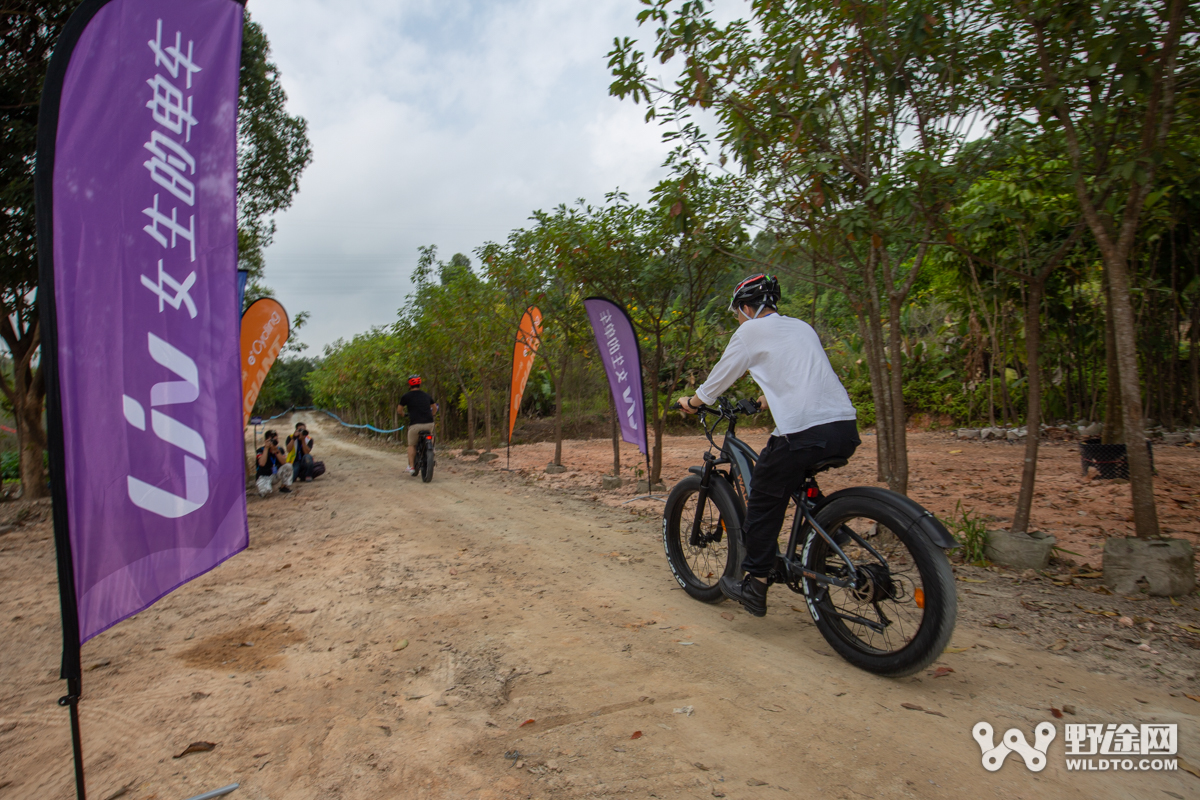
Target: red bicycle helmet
column 414, row 380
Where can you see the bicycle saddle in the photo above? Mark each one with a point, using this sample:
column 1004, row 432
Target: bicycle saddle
column 829, row 463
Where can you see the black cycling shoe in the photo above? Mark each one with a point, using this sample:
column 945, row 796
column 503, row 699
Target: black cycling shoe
column 749, row 591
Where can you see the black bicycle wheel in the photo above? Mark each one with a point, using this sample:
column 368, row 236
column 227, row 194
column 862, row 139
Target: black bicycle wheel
column 898, row 617
column 427, row 461
column 699, row 562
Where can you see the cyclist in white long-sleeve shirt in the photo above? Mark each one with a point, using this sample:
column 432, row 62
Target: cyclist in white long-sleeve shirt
column 814, row 419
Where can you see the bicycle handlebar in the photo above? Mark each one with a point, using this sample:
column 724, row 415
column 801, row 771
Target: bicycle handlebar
column 725, row 408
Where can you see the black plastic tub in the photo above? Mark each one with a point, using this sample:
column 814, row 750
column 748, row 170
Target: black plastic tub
column 1109, row 460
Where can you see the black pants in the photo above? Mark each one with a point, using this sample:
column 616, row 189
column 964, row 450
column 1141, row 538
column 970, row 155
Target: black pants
column 779, row 472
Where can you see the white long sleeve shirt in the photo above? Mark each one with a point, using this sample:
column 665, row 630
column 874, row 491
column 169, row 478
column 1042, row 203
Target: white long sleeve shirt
column 785, row 358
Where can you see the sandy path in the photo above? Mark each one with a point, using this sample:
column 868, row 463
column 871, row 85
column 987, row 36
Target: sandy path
column 517, row 604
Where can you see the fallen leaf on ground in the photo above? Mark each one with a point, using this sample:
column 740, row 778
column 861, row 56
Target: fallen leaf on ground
column 1057, row 713
column 755, row 782
column 956, row 650
column 400, row 645
column 912, row 706
column 1068, row 709
column 1188, row 767
column 197, row 747
column 972, row 580
column 699, row 766
column 726, row 615
column 1090, row 575
column 942, row 672
column 1188, row 628
column 955, row 452
column 526, row 722
column 1058, row 645
column 937, row 714
column 687, row 711
column 1195, row 697
column 636, row 735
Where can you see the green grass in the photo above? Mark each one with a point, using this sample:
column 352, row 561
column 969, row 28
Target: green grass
column 970, row 529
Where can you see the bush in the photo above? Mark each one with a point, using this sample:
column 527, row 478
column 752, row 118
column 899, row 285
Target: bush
column 10, row 465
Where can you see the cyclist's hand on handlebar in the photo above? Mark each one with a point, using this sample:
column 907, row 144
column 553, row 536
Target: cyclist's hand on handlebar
column 762, row 403
column 684, row 404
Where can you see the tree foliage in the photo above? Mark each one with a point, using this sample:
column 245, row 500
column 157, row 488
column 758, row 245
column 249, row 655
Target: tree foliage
column 273, row 150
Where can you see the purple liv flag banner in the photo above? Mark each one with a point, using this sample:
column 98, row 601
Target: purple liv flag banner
column 144, row 289
column 618, row 346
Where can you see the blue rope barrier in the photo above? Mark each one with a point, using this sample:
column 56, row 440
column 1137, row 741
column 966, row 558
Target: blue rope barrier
column 335, row 416
column 367, row 427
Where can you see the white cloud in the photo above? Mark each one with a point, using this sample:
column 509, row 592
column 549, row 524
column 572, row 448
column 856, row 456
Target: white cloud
column 440, row 123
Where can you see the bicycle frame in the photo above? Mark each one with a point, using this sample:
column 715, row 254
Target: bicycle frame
column 741, row 459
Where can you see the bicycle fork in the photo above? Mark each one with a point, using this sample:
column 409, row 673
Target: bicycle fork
column 695, row 537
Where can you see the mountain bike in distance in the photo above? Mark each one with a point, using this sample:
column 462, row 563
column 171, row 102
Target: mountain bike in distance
column 424, row 458
column 870, row 563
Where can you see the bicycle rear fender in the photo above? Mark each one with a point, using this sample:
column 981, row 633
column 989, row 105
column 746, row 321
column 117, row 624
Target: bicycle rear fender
column 920, row 519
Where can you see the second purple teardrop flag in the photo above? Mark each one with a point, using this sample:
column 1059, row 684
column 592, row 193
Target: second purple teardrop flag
column 618, row 346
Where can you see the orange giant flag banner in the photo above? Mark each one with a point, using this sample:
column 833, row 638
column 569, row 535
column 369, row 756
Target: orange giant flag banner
column 528, row 339
column 264, row 330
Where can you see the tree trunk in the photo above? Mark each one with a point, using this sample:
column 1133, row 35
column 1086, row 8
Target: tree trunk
column 660, row 417
column 1141, row 476
column 558, row 417
column 1194, row 360
column 616, row 438
column 470, row 421
column 27, row 394
column 1114, row 430
column 898, row 440
column 487, row 424
column 870, row 328
column 1033, row 418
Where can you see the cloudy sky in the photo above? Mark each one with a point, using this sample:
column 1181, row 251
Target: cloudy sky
column 440, row 122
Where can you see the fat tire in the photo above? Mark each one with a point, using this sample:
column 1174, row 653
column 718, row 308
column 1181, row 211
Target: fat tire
column 676, row 532
column 937, row 578
column 427, row 462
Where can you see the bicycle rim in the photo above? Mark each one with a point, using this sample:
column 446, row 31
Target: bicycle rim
column 891, row 593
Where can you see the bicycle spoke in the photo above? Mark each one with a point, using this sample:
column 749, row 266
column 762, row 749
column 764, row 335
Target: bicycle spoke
column 707, row 559
column 887, row 590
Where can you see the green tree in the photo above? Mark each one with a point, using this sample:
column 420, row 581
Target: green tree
column 843, row 117
column 28, row 32
column 669, row 264
column 1021, row 223
column 529, row 270
column 1106, row 77
column 272, row 151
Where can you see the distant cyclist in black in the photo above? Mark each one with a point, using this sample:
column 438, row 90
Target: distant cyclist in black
column 421, row 409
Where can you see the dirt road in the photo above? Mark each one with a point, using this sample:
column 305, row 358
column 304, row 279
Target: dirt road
column 480, row 637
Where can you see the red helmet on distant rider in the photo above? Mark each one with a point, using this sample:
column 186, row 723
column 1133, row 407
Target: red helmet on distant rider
column 414, row 380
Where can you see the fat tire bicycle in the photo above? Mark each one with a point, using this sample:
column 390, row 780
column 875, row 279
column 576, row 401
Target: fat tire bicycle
column 424, row 459
column 870, row 563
